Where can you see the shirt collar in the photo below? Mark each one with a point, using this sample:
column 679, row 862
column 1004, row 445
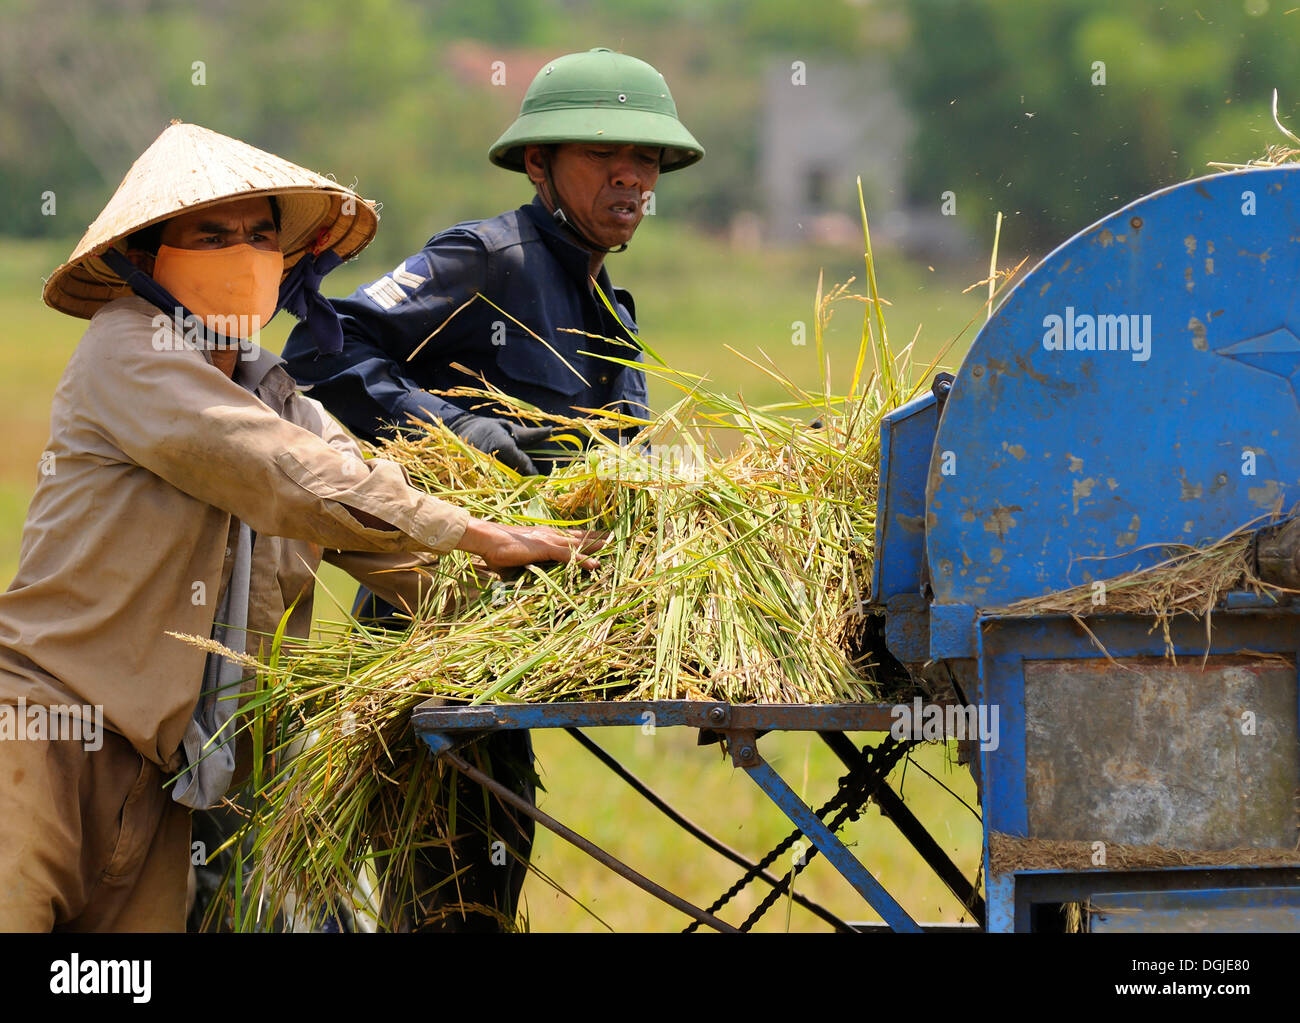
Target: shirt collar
column 257, row 370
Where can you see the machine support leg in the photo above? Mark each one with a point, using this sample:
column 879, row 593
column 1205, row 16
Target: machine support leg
column 590, row 848
column 831, row 847
column 893, row 807
column 697, row 832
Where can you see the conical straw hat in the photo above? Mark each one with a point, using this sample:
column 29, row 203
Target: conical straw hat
column 187, row 168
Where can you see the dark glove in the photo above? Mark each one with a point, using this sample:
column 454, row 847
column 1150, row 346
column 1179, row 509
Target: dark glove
column 502, row 439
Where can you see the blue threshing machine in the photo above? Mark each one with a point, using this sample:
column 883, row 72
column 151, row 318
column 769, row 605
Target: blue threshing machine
column 1139, row 389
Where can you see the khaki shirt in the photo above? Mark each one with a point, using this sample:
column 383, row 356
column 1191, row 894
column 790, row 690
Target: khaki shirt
column 130, row 533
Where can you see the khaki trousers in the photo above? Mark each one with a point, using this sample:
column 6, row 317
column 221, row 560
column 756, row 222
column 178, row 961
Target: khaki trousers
column 89, row 840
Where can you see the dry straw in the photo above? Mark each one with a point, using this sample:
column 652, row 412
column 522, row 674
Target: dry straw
column 1188, row 581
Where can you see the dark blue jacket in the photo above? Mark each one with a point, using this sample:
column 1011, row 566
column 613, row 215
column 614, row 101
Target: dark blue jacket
column 524, row 264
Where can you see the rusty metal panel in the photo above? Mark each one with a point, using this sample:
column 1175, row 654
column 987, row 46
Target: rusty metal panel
column 1212, row 911
column 1143, row 751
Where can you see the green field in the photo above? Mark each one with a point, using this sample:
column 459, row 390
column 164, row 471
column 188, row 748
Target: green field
column 695, row 297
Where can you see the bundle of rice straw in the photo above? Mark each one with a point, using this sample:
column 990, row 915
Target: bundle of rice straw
column 737, row 577
column 737, row 567
column 1189, row 580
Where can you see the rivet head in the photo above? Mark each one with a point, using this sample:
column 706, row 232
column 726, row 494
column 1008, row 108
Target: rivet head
column 550, row 69
column 622, row 98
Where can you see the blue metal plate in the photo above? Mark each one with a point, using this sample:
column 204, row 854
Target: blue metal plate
column 906, row 440
column 1138, row 388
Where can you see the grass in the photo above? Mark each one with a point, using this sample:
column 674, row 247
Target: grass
column 695, row 298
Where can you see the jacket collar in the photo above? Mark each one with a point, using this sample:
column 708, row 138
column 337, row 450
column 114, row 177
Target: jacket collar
column 572, row 256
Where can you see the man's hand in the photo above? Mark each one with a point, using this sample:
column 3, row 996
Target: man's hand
column 512, row 546
column 502, row 439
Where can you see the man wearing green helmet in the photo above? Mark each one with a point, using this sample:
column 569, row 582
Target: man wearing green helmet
column 594, row 133
column 608, row 101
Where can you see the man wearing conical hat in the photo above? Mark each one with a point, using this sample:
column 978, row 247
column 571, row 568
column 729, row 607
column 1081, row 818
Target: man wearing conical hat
column 594, row 133
column 186, row 488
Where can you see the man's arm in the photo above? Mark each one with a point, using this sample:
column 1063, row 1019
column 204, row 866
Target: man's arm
column 176, row 416
column 368, row 385
column 404, row 579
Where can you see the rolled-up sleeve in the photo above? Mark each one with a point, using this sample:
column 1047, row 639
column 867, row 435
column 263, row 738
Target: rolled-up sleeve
column 172, row 413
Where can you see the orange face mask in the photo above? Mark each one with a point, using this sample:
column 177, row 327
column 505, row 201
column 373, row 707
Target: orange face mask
column 234, row 289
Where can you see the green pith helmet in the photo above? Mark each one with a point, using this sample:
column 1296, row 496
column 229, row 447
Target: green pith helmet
column 598, row 96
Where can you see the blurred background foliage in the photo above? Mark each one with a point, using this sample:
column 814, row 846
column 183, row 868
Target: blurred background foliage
column 1006, row 107
column 395, row 94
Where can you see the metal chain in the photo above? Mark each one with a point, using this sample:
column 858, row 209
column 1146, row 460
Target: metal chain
column 889, row 756
column 756, row 869
column 862, row 779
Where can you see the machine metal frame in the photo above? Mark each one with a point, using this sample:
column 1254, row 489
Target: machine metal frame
column 446, row 728
column 1005, row 645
